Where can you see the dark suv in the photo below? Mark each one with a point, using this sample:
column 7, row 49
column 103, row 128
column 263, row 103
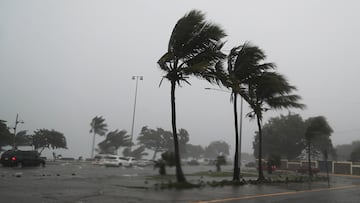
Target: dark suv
column 21, row 158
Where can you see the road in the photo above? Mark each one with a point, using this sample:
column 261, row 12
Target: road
column 349, row 193
column 82, row 182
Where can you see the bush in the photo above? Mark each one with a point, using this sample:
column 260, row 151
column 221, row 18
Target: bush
column 167, row 159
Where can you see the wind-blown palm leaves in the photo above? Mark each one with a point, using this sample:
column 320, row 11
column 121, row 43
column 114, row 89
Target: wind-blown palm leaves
column 268, row 90
column 260, row 86
column 137, row 153
column 193, row 50
column 98, row 126
column 114, row 140
column 243, row 66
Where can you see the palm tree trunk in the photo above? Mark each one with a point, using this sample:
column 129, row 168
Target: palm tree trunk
column 261, row 174
column 93, row 144
column 154, row 155
column 309, row 159
column 236, row 175
column 179, row 173
column 327, row 167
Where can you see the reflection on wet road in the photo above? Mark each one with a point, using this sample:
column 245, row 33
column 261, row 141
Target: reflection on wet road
column 82, row 182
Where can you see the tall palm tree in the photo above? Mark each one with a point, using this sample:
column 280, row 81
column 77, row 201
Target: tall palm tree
column 193, row 50
column 98, row 126
column 264, row 90
column 242, row 66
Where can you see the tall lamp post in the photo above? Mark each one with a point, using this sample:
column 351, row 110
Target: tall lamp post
column 137, row 78
column 17, row 121
column 240, row 122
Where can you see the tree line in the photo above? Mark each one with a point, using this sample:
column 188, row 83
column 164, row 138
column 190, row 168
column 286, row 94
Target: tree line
column 350, row 152
column 291, row 137
column 156, row 140
column 39, row 140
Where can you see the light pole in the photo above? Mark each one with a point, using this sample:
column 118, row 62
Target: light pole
column 136, row 77
column 240, row 122
column 17, row 121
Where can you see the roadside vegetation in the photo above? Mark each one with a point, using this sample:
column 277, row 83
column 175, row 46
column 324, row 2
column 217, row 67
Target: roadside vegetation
column 40, row 140
column 220, row 179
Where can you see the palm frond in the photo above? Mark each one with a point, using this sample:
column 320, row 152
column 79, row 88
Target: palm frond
column 285, row 101
column 98, row 125
column 194, row 49
column 270, row 84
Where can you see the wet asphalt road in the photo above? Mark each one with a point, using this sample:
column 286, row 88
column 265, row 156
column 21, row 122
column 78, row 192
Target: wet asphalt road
column 83, row 182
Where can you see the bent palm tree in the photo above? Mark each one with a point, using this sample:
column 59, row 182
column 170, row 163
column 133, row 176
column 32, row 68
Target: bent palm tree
column 193, row 50
column 113, row 141
column 242, row 66
column 97, row 127
column 263, row 90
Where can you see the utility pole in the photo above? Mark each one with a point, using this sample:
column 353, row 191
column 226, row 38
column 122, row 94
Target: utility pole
column 17, row 121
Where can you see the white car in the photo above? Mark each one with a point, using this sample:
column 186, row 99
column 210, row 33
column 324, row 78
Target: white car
column 131, row 161
column 114, row 160
column 99, row 159
column 145, row 162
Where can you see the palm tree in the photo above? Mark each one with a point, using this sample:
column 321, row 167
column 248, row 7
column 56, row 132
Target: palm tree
column 114, row 140
column 242, row 66
column 266, row 90
column 137, row 153
column 97, row 127
column 193, row 50
column 319, row 131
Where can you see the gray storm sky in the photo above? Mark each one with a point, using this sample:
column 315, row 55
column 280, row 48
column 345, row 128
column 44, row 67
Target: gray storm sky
column 64, row 62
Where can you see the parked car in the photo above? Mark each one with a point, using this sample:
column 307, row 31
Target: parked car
column 99, row 159
column 193, row 162
column 20, row 158
column 144, row 162
column 114, row 160
column 305, row 170
column 131, row 161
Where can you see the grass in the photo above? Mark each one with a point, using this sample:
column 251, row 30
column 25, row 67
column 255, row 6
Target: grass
column 221, row 174
column 211, row 174
column 169, row 181
column 161, row 177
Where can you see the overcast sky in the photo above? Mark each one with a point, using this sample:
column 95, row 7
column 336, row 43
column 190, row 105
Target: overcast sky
column 64, row 62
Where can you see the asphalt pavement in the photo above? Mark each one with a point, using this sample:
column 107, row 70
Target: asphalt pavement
column 80, row 182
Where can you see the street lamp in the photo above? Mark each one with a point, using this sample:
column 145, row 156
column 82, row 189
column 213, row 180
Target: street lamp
column 240, row 120
column 17, row 121
column 136, row 77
